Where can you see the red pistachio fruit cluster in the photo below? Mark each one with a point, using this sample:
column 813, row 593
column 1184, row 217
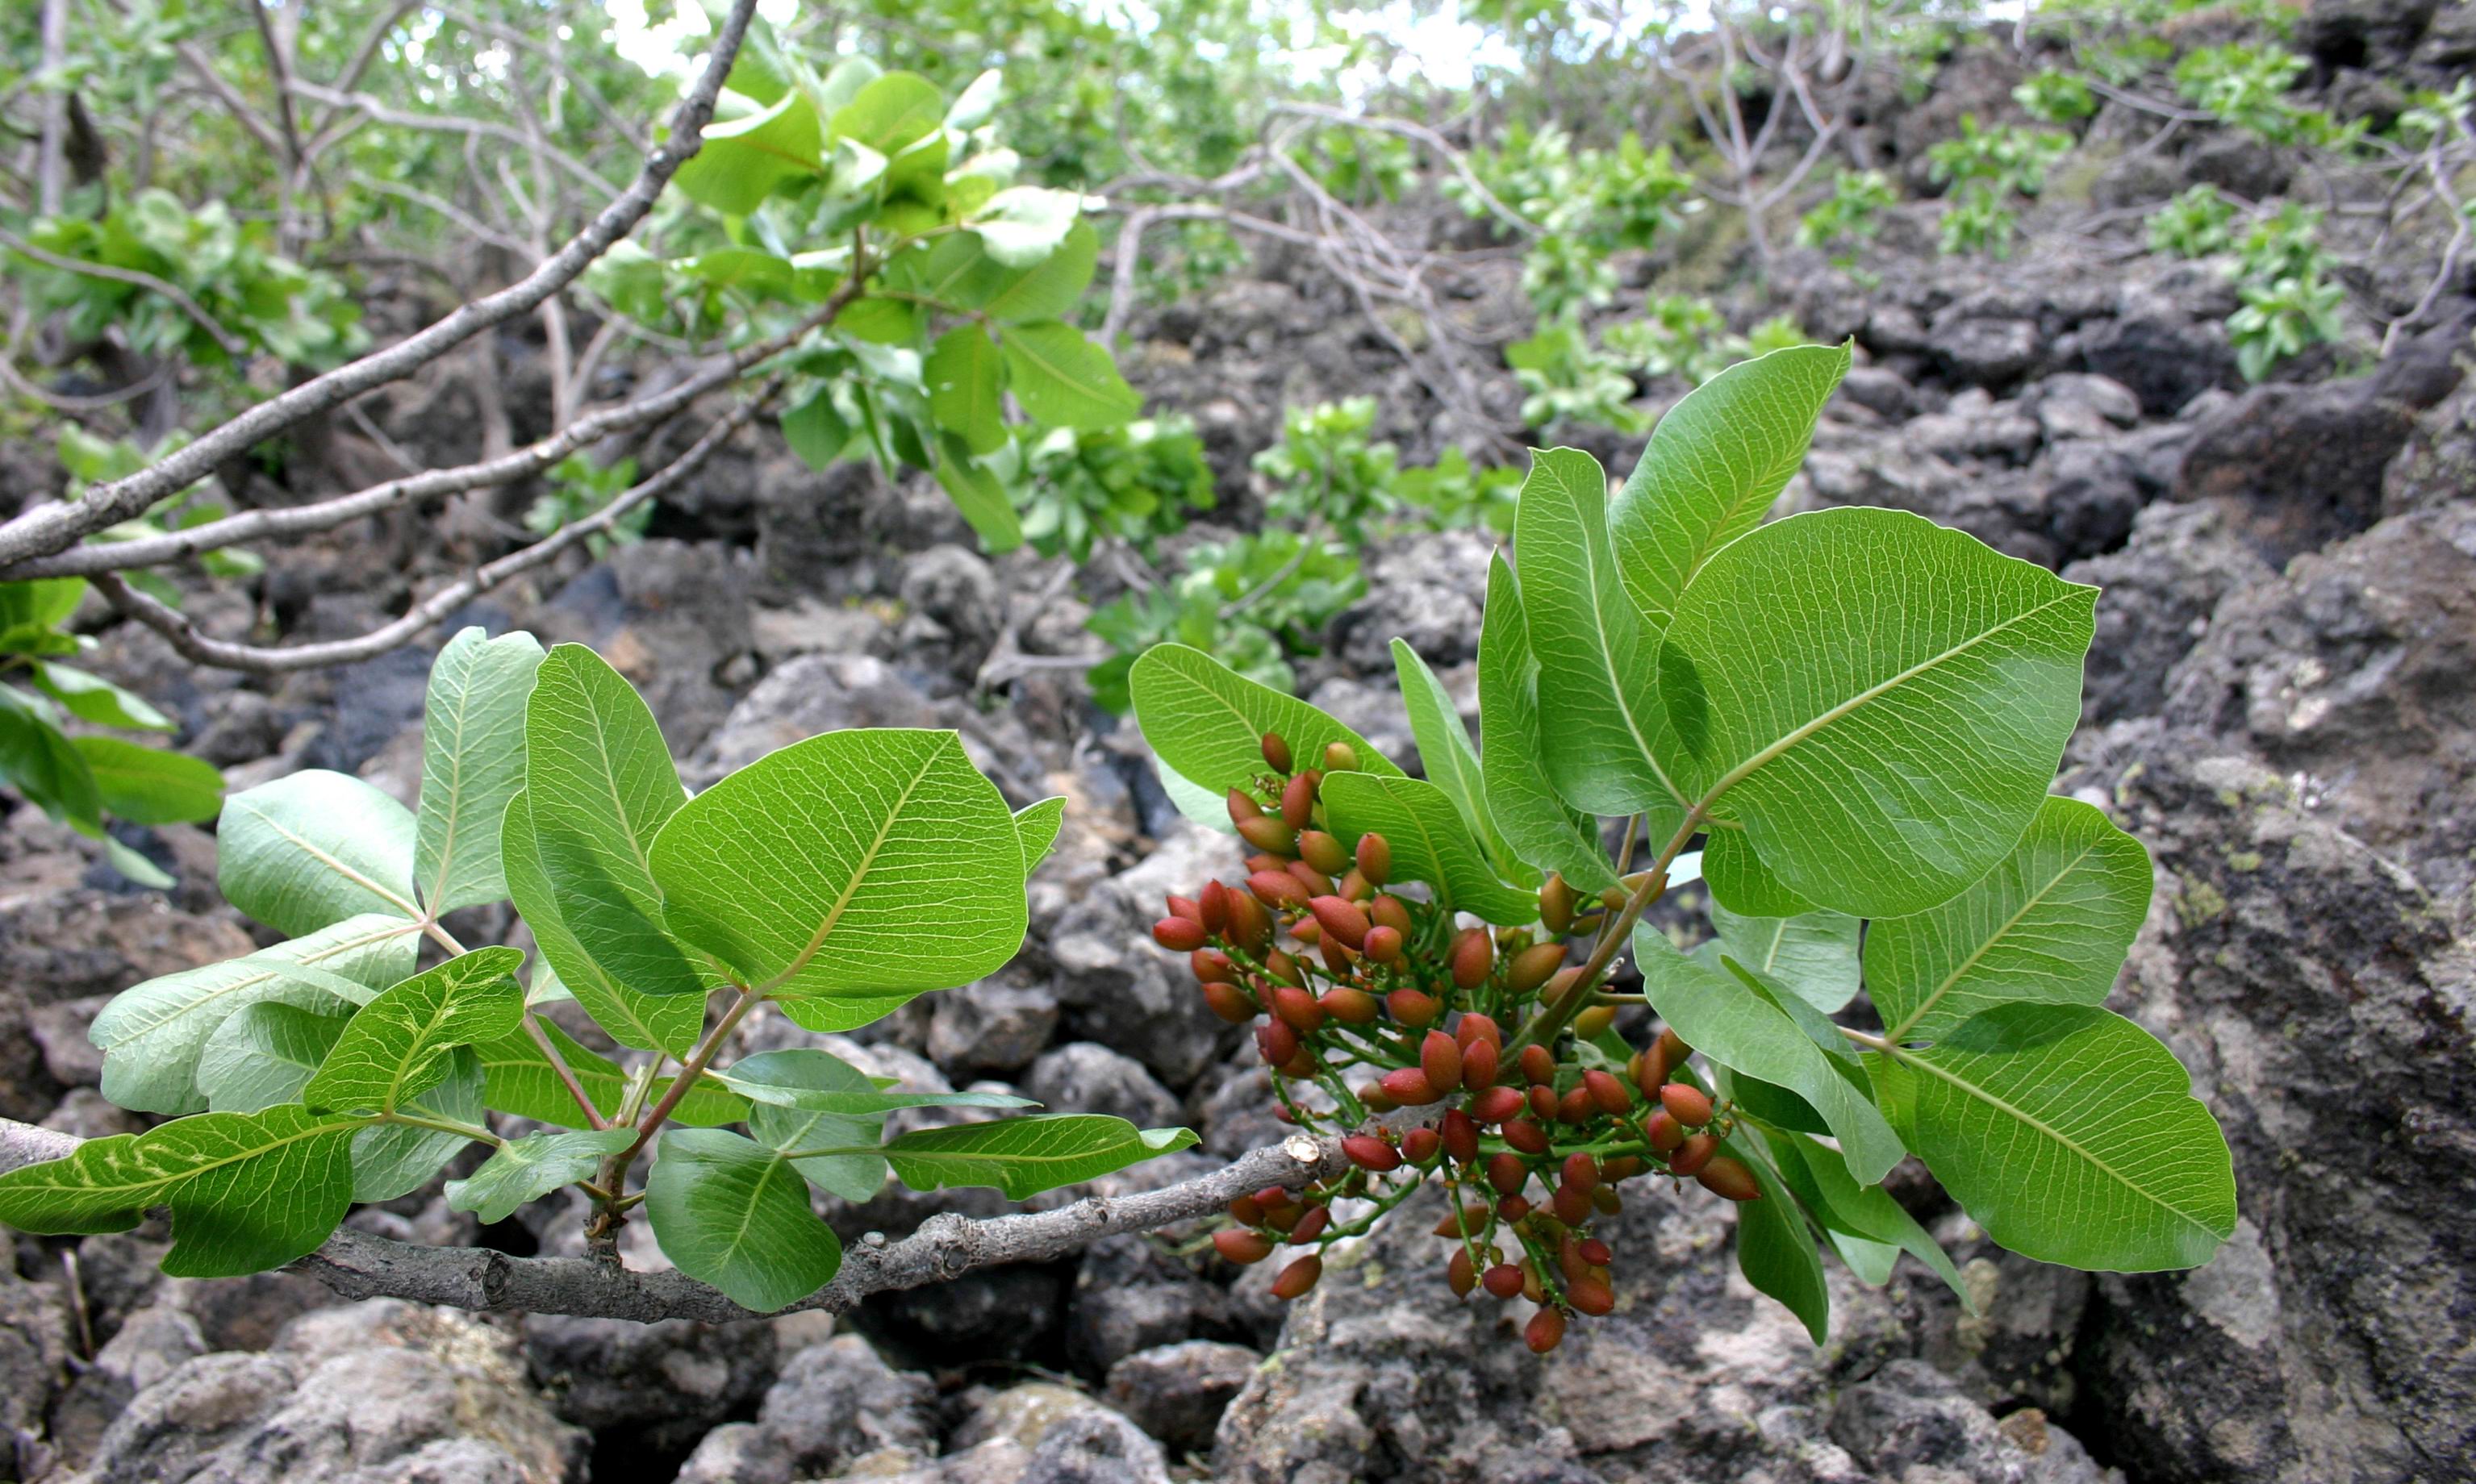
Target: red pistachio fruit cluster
column 1370, row 990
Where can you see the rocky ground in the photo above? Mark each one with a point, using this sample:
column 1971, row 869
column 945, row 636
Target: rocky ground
column 2282, row 703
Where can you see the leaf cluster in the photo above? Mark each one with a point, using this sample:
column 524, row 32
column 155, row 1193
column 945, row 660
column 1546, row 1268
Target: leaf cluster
column 834, row 880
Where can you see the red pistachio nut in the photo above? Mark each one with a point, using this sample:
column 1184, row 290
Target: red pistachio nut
column 1581, row 1171
column 1730, row 1180
column 1374, row 857
column 1460, row 1276
column 1383, row 945
column 1339, row 918
column 1474, row 958
column 1544, row 1331
column 1527, row 1136
column 1278, row 1041
column 1284, row 968
column 1339, row 959
column 1507, row 1173
column 1573, row 1207
column 1277, row 751
column 1322, row 852
column 1441, row 1060
column 1651, row 1071
column 1512, row 1208
column 1299, row 801
column 1596, row 1253
column 1270, row 835
column 1593, row 1023
column 1578, row 1107
column 1278, row 889
column 1311, row 1226
column 1243, row 808
column 1556, row 904
column 1624, row 1167
column 1179, row 935
column 1543, row 1101
column 1213, row 904
column 1673, row 1045
column 1688, row 1105
column 1478, row 1065
column 1665, row 1132
column 1590, row 1296
column 1373, row 1098
column 1389, row 912
column 1228, row 1001
column 1340, row 758
column 1607, row 1202
column 1412, row 1008
column 1474, row 1028
column 1538, row 1065
column 1212, row 966
column 1460, row 1136
column 1693, row 1154
column 1242, row 1246
column 1496, row 1105
column 1298, row 1277
column 1250, row 926
column 1533, row 965
column 1608, row 1092
column 1317, row 884
column 1351, row 1006
column 1502, row 1281
column 1354, row 887
column 1419, row 1145
column 1187, row 907
column 1299, row 1008
column 1409, row 1087
column 1369, row 1152
column 1467, row 1219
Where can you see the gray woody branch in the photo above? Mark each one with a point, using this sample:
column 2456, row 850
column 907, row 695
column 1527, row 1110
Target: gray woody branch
column 51, row 527
column 358, row 1265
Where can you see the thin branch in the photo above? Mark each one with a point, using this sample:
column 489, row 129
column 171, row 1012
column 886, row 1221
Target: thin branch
column 182, row 633
column 358, row 1265
column 51, row 527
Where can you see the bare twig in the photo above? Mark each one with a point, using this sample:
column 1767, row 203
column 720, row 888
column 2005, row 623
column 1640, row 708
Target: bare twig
column 51, row 527
column 358, row 1265
column 182, row 633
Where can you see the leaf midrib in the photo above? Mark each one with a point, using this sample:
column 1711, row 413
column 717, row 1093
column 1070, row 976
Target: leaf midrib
column 349, row 874
column 1770, row 752
column 1909, row 1021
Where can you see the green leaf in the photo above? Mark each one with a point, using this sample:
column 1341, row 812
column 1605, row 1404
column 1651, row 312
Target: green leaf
column 153, row 1034
column 649, row 1023
column 398, row 1046
column 1740, row 883
column 962, row 375
column 856, row 869
column 390, row 1160
column 792, row 1079
column 472, row 763
column 1725, row 1020
column 743, row 160
column 2049, row 925
column 1894, row 697
column 732, row 1214
column 2071, row 1134
column 1065, row 380
column 1775, row 1251
column 1050, row 288
column 312, row 849
column 1023, row 1157
column 148, row 785
column 517, row 1078
column 1022, row 225
column 248, row 1191
column 1445, row 752
column 980, row 495
column 854, row 1175
column 816, row 428
column 1207, row 722
column 45, row 766
column 1715, row 464
column 523, row 1170
column 1538, row 825
column 1820, row 1178
column 44, row 602
column 94, row 698
column 599, row 786
column 892, row 112
column 1595, row 680
column 1429, row 842
column 265, row 1055
column 1814, row 954
column 1035, row 827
